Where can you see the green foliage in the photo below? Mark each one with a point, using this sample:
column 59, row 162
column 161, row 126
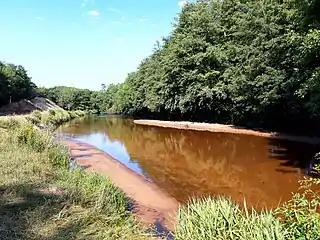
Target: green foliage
column 81, row 99
column 301, row 214
column 107, row 198
column 53, row 117
column 8, row 123
column 15, row 84
column 219, row 218
column 253, row 63
column 28, row 135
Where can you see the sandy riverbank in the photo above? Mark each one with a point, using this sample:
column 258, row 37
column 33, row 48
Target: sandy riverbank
column 151, row 204
column 227, row 129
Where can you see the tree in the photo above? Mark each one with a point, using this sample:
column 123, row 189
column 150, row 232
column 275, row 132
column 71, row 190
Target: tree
column 251, row 63
column 15, row 83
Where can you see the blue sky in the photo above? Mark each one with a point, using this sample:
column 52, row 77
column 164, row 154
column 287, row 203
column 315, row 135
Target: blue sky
column 82, row 43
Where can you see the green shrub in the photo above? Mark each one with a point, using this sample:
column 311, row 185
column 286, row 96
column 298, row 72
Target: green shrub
column 301, row 215
column 219, row 218
column 58, row 157
column 27, row 134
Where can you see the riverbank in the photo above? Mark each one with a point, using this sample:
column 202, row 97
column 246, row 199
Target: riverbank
column 151, row 205
column 41, row 199
column 220, row 128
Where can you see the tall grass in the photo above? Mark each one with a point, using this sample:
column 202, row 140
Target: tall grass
column 53, row 117
column 220, row 218
column 41, row 199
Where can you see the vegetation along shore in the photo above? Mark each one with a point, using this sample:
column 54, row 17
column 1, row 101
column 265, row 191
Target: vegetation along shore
column 253, row 64
column 42, row 199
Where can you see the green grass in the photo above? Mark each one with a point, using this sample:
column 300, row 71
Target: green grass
column 41, row 199
column 53, row 117
column 219, row 218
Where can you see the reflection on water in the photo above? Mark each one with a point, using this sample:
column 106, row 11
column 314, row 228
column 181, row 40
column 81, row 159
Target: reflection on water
column 191, row 163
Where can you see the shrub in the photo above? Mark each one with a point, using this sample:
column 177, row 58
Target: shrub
column 58, row 157
column 301, row 215
column 27, row 134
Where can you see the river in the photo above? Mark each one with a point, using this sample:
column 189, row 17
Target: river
column 187, row 163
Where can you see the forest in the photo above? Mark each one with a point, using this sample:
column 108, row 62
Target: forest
column 248, row 63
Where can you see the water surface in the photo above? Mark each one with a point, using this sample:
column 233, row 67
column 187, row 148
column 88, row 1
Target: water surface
column 188, row 163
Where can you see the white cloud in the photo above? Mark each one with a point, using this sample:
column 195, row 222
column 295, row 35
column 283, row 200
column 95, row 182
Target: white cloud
column 182, row 3
column 94, row 13
column 40, row 18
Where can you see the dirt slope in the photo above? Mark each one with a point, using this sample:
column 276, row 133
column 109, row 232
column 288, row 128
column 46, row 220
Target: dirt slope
column 26, row 106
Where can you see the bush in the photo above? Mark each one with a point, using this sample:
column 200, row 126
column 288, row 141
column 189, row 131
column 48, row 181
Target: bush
column 301, row 215
column 53, row 117
column 27, row 134
column 58, row 157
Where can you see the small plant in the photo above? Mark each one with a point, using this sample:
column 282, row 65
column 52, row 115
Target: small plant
column 27, row 134
column 301, row 215
column 58, row 157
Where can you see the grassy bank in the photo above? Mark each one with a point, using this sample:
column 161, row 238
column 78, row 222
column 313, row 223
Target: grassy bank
column 219, row 218
column 53, row 117
column 42, row 199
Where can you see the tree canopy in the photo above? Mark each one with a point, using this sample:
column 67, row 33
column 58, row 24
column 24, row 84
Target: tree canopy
column 252, row 63
column 71, row 98
column 15, row 84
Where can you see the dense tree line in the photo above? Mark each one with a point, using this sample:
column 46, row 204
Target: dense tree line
column 253, row 63
column 71, row 98
column 15, row 84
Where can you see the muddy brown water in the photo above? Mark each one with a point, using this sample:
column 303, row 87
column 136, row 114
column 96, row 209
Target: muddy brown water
column 187, row 163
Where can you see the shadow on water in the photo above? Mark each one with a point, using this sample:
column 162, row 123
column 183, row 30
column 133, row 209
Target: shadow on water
column 293, row 154
column 189, row 163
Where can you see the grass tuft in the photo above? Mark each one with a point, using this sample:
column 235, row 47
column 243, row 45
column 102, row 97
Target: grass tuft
column 220, row 218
